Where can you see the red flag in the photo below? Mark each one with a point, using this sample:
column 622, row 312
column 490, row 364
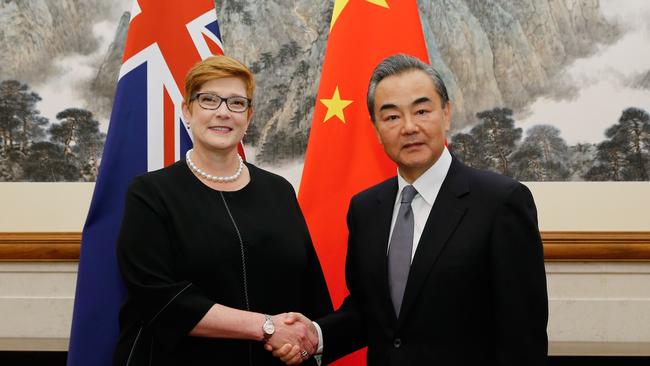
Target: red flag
column 343, row 155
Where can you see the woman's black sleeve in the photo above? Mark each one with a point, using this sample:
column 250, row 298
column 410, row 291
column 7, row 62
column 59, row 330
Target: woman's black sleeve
column 169, row 306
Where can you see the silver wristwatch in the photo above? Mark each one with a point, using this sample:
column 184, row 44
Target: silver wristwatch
column 268, row 328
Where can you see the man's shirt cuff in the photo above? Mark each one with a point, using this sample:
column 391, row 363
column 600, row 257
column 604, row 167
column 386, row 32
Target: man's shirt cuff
column 320, row 338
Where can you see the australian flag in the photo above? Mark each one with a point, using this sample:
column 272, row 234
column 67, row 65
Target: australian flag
column 146, row 132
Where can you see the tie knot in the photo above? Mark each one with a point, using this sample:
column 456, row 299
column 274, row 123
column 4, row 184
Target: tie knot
column 408, row 193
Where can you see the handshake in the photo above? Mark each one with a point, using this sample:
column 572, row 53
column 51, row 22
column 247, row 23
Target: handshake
column 294, row 339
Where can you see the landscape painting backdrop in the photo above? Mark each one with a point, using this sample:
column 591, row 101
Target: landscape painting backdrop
column 542, row 90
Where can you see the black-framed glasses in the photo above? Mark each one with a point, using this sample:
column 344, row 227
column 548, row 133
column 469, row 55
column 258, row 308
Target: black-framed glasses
column 212, row 101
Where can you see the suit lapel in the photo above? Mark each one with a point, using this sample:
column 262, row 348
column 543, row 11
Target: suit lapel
column 446, row 213
column 378, row 249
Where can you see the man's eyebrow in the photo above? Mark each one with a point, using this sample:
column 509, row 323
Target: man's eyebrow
column 387, row 106
column 415, row 102
column 421, row 100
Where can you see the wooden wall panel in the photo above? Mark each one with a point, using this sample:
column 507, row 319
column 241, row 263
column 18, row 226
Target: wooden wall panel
column 39, row 247
column 558, row 246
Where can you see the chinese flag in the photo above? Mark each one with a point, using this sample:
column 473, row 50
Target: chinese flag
column 344, row 155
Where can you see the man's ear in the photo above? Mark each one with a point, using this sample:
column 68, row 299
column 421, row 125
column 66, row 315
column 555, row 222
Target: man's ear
column 446, row 115
column 374, row 125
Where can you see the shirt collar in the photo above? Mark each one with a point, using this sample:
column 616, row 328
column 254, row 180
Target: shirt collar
column 429, row 183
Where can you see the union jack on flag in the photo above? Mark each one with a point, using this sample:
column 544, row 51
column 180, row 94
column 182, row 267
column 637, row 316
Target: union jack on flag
column 146, row 132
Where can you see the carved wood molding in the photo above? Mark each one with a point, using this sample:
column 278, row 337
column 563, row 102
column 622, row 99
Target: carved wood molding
column 40, row 247
column 596, row 245
column 558, row 246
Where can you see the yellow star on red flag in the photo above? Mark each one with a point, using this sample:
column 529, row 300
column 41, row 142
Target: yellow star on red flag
column 382, row 3
column 339, row 5
column 335, row 106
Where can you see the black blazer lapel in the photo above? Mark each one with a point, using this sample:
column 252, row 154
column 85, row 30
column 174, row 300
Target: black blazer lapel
column 377, row 255
column 446, row 213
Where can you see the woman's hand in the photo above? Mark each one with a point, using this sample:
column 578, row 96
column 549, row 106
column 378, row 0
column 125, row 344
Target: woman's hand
column 295, row 338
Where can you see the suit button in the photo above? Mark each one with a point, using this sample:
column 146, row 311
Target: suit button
column 397, row 343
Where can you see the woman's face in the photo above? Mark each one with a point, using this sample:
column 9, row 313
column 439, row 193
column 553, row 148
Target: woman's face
column 219, row 129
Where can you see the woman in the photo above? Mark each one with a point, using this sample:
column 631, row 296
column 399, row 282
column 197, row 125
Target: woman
column 210, row 245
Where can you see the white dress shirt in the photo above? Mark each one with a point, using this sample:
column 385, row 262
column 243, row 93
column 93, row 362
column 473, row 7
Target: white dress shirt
column 428, row 185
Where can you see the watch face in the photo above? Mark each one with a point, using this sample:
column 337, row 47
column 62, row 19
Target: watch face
column 268, row 327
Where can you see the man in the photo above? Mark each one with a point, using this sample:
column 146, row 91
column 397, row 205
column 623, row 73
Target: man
column 445, row 263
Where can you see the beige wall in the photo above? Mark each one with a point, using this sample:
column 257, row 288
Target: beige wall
column 44, row 206
column 595, row 308
column 561, row 206
column 606, row 206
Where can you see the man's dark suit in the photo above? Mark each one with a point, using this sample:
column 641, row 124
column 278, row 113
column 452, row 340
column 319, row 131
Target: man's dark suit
column 476, row 293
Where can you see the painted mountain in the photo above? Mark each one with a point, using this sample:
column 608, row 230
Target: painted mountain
column 550, row 90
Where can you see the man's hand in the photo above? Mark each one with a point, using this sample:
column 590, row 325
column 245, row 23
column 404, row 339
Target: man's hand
column 299, row 339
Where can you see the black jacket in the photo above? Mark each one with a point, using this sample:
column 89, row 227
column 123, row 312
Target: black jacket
column 179, row 253
column 476, row 292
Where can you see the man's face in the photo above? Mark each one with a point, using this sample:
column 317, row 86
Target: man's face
column 411, row 122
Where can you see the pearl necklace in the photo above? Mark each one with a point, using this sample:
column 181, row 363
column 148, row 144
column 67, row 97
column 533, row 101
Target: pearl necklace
column 214, row 178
